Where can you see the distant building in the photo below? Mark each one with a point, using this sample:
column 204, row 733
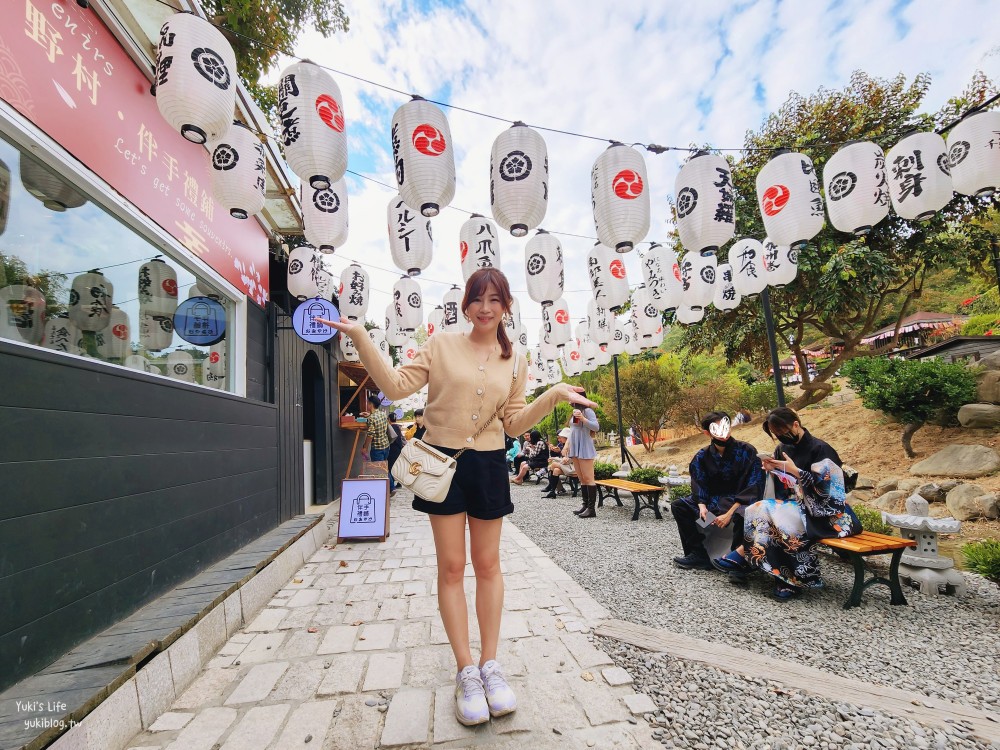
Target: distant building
column 959, row 349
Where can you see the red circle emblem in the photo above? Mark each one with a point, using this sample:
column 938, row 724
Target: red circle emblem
column 574, row 355
column 170, row 287
column 430, row 329
column 411, row 353
column 627, row 184
column 329, row 112
column 120, row 331
column 465, row 250
column 562, row 317
column 677, row 271
column 774, row 199
column 214, row 358
column 428, row 140
column 340, row 290
column 617, row 268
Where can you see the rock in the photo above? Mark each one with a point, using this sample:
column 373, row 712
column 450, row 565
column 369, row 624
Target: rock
column 932, row 492
column 959, row 461
column 916, row 506
column 860, row 496
column 988, row 390
column 947, row 485
column 865, row 483
column 886, row 485
column 892, row 501
column 980, row 416
column 908, row 485
column 970, row 501
column 990, row 362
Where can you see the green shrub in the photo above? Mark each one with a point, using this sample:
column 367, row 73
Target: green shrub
column 646, row 476
column 604, row 470
column 979, row 325
column 871, row 520
column 759, row 397
column 678, row 491
column 983, row 558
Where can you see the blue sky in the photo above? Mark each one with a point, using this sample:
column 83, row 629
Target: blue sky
column 673, row 73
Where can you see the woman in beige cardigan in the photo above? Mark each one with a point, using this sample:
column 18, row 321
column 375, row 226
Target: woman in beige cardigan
column 469, row 377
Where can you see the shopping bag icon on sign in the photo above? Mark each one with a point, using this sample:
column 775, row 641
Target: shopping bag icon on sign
column 363, row 509
column 204, row 320
column 312, row 326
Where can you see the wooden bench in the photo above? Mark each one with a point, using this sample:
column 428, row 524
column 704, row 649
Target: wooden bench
column 645, row 495
column 863, row 545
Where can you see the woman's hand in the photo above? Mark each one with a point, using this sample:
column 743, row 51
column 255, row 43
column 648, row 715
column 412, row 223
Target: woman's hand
column 338, row 325
column 572, row 393
column 723, row 520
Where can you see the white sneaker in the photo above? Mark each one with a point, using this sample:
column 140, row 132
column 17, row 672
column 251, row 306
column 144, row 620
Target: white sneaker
column 470, row 698
column 499, row 695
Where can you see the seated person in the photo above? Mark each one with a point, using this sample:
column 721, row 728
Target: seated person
column 536, row 453
column 521, row 457
column 513, row 449
column 560, row 465
column 726, row 477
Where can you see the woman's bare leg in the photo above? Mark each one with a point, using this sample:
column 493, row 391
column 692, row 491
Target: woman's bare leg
column 449, row 544
column 484, row 537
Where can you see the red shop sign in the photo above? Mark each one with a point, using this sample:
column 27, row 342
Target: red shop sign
column 62, row 69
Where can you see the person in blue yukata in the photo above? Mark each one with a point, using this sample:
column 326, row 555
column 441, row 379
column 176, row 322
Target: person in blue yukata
column 726, row 477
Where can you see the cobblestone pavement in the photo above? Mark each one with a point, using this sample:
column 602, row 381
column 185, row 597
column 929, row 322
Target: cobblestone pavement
column 351, row 653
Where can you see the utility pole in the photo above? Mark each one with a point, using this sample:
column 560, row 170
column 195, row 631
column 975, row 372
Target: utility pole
column 765, row 301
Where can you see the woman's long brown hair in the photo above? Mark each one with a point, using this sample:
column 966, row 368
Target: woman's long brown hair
column 477, row 285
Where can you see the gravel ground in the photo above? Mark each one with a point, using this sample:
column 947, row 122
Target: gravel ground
column 941, row 646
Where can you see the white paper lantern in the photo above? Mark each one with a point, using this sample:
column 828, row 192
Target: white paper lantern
column 22, row 314
column 745, row 257
column 138, row 362
column 657, row 264
column 653, row 341
column 698, row 278
column 424, row 156
column 521, row 342
column 857, row 188
column 213, row 367
column 688, row 316
column 538, row 369
column 512, row 322
column 435, row 321
column 354, row 292
column 90, row 301
column 394, row 335
column 543, row 268
column 48, row 187
column 408, row 303
column 238, row 172
column 114, row 341
column 478, row 244
column 313, row 130
column 454, row 321
column 620, row 195
column 589, row 351
column 180, row 366
column 608, row 277
column 555, row 372
column 519, row 179
column 348, row 351
column 920, row 182
column 408, row 351
column 63, row 335
column 195, row 78
column 780, row 264
column 789, row 200
column 619, row 339
column 726, row 297
column 603, row 355
column 202, row 289
column 633, row 345
column 324, row 216
column 573, row 358
column 706, row 209
column 974, row 154
column 548, row 350
column 599, row 323
column 646, row 318
column 157, row 288
column 378, row 338
column 156, row 332
column 556, row 321
column 308, row 275
column 410, row 240
column 581, row 331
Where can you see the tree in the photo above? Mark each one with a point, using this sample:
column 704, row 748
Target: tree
column 912, row 391
column 845, row 285
column 648, row 391
column 52, row 285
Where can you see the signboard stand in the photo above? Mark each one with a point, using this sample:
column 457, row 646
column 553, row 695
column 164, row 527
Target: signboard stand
column 364, row 509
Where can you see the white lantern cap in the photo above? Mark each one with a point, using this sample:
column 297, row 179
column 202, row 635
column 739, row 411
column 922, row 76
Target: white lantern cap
column 325, row 215
column 746, row 259
column 789, row 200
column 857, row 188
column 919, row 176
column 706, row 210
column 410, row 240
column 313, row 131
column 424, row 156
column 974, row 154
column 519, row 179
column 620, row 195
column 543, row 268
column 478, row 244
column 687, row 316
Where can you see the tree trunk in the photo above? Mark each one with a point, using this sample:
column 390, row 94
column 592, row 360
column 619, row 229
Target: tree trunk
column 812, row 393
column 908, row 431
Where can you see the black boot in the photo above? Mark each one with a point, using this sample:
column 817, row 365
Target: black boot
column 590, row 509
column 583, row 498
column 550, row 488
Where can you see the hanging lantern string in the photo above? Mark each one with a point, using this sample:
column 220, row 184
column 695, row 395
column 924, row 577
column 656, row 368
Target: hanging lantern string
column 100, row 270
column 653, row 148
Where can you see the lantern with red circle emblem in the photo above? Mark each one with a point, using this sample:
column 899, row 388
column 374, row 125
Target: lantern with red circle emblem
column 324, row 215
column 113, row 343
column 543, row 268
column 974, row 154
column 408, row 303
column 919, row 176
column 238, row 172
column 706, row 209
column 698, row 279
column 780, row 264
column 410, row 239
column 424, row 157
column 353, row 293
column 195, row 78
column 789, row 200
column 435, row 321
column 157, row 288
column 857, row 188
column 478, row 245
column 519, row 179
column 313, row 131
column 408, row 351
column 573, row 358
column 213, row 367
column 726, row 297
column 608, row 277
column 555, row 319
column 599, row 323
column 620, row 196
column 746, row 259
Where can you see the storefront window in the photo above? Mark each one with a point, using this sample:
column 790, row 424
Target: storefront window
column 75, row 279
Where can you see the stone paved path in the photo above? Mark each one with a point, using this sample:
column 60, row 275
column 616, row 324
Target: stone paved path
column 357, row 628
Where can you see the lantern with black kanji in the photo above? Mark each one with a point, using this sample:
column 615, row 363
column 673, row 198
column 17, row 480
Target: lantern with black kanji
column 308, row 275
column 22, row 314
column 90, row 301
column 620, row 197
column 726, row 297
column 394, row 335
column 857, row 187
column 687, row 315
column 238, row 172
column 478, row 245
column 549, row 350
column 555, row 319
column 920, row 182
column 63, row 335
column 645, row 317
column 423, row 155
column 453, row 320
column 633, row 346
column 113, row 342
column 780, row 264
column 313, row 131
column 195, row 78
column 435, row 321
column 789, row 200
column 512, row 320
column 213, row 367
column 608, row 278
column 974, row 154
column 599, row 323
column 378, row 338
column 156, row 332
column 654, row 274
column 353, row 293
column 519, row 179
column 157, row 288
column 698, row 279
column 410, row 239
column 706, row 209
column 180, row 366
column 538, row 368
column 48, row 187
column 348, row 350
column 543, row 268
column 408, row 303
column 746, row 259
column 324, row 215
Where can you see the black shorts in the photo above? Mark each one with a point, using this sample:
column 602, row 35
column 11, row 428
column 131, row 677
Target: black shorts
column 480, row 487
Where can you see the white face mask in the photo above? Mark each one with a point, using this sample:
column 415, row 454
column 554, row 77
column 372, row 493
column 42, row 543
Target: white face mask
column 720, row 430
